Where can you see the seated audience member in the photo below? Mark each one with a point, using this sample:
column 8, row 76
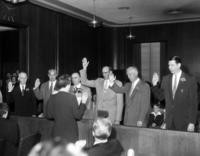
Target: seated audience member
column 65, row 110
column 22, row 96
column 4, row 110
column 156, row 117
column 56, row 147
column 102, row 128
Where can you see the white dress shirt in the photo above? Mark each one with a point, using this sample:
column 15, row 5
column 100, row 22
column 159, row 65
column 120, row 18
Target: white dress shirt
column 178, row 76
column 22, row 87
column 133, row 86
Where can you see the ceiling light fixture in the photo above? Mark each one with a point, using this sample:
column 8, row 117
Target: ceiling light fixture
column 130, row 36
column 15, row 1
column 94, row 23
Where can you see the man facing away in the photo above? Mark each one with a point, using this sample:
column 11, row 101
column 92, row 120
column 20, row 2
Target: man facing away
column 102, row 146
column 46, row 89
column 107, row 100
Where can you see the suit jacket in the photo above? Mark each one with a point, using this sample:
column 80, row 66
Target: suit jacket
column 43, row 93
column 137, row 105
column 1, row 97
column 107, row 100
column 110, row 148
column 25, row 105
column 89, row 113
column 64, row 109
column 88, row 91
column 181, row 110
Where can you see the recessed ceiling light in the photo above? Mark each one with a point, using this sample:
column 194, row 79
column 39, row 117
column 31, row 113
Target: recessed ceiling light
column 124, row 8
column 175, row 12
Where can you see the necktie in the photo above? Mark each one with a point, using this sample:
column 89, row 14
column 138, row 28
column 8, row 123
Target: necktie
column 23, row 88
column 106, row 84
column 51, row 88
column 174, row 86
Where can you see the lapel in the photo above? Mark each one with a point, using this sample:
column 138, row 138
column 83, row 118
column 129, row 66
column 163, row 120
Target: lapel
column 181, row 83
column 47, row 87
column 170, row 85
column 137, row 87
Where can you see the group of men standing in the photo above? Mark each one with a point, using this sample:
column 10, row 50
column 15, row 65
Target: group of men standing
column 178, row 89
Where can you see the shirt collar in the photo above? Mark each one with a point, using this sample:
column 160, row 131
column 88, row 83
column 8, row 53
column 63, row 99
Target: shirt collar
column 136, row 82
column 100, row 141
column 22, row 85
column 54, row 82
column 178, row 74
column 77, row 86
column 155, row 114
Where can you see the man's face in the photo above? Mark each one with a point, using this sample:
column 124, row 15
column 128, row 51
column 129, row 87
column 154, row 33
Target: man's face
column 173, row 66
column 132, row 74
column 22, row 78
column 105, row 72
column 156, row 109
column 52, row 75
column 76, row 79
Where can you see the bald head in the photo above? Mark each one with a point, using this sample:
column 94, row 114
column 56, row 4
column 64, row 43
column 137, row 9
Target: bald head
column 76, row 78
column 132, row 73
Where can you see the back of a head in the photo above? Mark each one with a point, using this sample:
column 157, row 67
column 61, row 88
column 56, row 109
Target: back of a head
column 55, row 147
column 102, row 128
column 63, row 81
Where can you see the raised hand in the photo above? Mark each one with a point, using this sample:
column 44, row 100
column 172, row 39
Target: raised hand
column 37, row 83
column 85, row 63
column 10, row 87
column 84, row 97
column 155, row 79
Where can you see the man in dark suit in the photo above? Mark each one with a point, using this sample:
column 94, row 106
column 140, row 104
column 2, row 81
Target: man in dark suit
column 180, row 93
column 102, row 128
column 46, row 89
column 137, row 98
column 22, row 96
column 65, row 110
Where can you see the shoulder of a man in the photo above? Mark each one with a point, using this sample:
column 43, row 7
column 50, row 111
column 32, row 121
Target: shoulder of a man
column 144, row 84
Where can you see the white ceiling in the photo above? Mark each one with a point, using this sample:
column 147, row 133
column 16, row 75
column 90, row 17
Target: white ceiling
column 142, row 11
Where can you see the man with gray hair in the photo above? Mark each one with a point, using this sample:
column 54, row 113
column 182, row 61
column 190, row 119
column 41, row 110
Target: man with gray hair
column 46, row 89
column 101, row 131
column 22, row 96
column 137, row 98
